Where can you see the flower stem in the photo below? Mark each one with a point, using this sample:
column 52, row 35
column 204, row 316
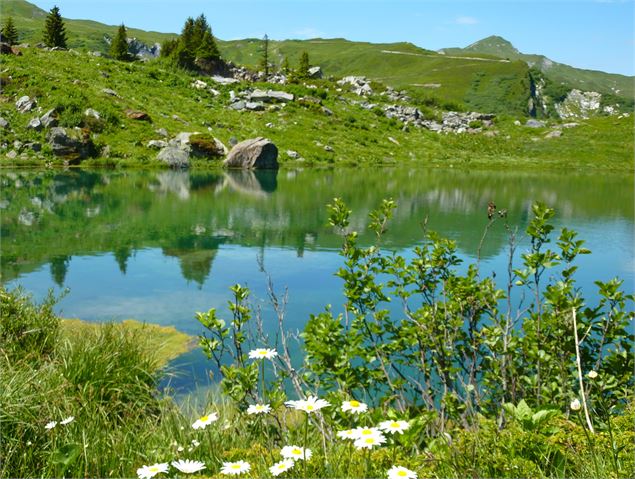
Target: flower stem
column 306, row 437
column 590, row 442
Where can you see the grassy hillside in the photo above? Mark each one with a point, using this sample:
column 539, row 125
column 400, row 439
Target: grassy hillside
column 588, row 80
column 71, row 82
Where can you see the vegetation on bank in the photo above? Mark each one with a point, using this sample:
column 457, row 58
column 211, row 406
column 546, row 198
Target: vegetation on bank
column 463, row 384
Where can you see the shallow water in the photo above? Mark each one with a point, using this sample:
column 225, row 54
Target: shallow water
column 160, row 246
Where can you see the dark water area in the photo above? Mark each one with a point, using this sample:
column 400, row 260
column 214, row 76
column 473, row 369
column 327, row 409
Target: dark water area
column 160, row 246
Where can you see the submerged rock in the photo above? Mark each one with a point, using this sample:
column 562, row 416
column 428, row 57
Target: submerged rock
column 253, row 153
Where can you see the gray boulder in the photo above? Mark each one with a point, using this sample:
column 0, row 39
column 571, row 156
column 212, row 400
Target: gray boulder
column 158, row 144
column 70, row 144
column 25, row 104
column 174, row 157
column 110, row 92
column 92, row 113
column 554, row 134
column 258, row 153
column 35, row 124
column 315, row 72
column 254, row 106
column 531, row 123
column 49, row 119
column 3, row 123
column 239, row 105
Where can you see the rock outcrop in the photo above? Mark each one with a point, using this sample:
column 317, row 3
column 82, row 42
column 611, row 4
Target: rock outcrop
column 579, row 104
column 72, row 145
column 259, row 153
column 174, row 157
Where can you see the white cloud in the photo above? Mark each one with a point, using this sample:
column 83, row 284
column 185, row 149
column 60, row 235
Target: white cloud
column 308, row 32
column 466, row 21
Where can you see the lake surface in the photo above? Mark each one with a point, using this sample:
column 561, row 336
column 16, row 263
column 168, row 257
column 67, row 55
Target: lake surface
column 160, row 246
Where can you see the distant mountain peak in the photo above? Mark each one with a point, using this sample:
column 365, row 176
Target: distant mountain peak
column 494, row 45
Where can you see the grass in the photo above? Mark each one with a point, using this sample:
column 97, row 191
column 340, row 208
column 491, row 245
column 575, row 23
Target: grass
column 71, row 82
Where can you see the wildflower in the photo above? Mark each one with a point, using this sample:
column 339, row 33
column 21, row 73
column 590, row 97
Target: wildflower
column 394, row 426
column 180, row 449
column 188, row 467
column 347, row 434
column 259, row 409
column 368, row 442
column 262, row 353
column 398, row 472
column 296, row 452
column 592, row 374
column 195, row 443
column 575, row 405
column 282, row 466
column 203, row 421
column 69, row 419
column 361, row 432
column 353, row 406
column 146, row 472
column 50, row 425
column 234, row 468
column 308, row 405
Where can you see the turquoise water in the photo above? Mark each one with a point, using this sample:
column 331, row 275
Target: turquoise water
column 160, row 246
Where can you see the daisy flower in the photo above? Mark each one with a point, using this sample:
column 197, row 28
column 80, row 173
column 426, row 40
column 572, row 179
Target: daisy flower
column 592, row 374
column 259, row 409
column 347, row 434
column 188, row 467
column 295, row 453
column 353, row 406
column 282, row 466
column 262, row 353
column 69, row 419
column 146, row 472
column 398, row 472
column 50, row 425
column 394, row 426
column 361, row 432
column 308, row 405
column 368, row 442
column 203, row 421
column 234, row 468
column 575, row 405
column 195, row 443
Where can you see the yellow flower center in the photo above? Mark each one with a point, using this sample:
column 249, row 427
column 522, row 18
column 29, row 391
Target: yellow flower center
column 402, row 473
column 296, row 451
column 366, row 432
column 154, row 469
column 309, row 408
column 204, row 418
column 235, row 466
column 354, row 403
column 370, row 440
column 394, row 424
column 281, row 466
column 262, row 353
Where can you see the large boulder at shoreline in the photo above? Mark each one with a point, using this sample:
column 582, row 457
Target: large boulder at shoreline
column 174, row 157
column 72, row 145
column 258, row 153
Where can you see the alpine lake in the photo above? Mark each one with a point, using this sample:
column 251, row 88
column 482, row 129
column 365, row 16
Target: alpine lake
column 158, row 246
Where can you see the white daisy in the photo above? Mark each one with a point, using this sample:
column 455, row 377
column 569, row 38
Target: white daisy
column 296, row 453
column 592, row 374
column 259, row 409
column 575, row 405
column 308, row 405
column 146, row 472
column 195, row 443
column 50, row 425
column 368, row 442
column 282, row 466
column 262, row 353
column 234, row 468
column 188, row 467
column 69, row 419
column 347, row 434
column 360, row 432
column 203, row 421
column 355, row 407
column 398, row 472
column 394, row 426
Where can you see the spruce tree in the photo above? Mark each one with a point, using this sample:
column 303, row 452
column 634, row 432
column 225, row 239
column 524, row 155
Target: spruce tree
column 54, row 31
column 9, row 32
column 185, row 53
column 264, row 61
column 208, row 50
column 303, row 68
column 119, row 45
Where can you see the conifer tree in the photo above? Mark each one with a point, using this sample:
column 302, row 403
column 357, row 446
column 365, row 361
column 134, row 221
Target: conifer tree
column 208, row 50
column 303, row 68
column 119, row 45
column 264, row 61
column 54, row 30
column 9, row 32
column 185, row 53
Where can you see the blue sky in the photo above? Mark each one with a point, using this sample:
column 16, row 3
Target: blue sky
column 594, row 34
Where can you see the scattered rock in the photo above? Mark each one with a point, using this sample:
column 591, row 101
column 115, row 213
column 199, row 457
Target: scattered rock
column 158, row 144
column 554, row 134
column 579, row 104
column 199, row 85
column 392, row 140
column 26, row 218
column 12, row 155
column 233, row 141
column 517, row 122
column 4, row 124
column 5, row 49
column 110, row 92
column 359, row 85
column 49, row 119
column 269, row 125
column 137, row 115
column 33, row 146
column 92, row 113
column 72, row 145
column 531, row 123
column 569, row 125
column 25, row 104
column 174, row 157
column 269, row 95
column 95, row 54
column 294, row 155
column 239, row 105
column 254, row 106
column 162, row 132
column 328, row 148
column 491, row 133
column 258, row 153
column 35, row 124
column 315, row 72
column 207, row 146
column 223, row 80
column 326, row 111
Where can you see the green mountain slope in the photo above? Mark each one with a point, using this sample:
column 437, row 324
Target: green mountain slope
column 587, row 80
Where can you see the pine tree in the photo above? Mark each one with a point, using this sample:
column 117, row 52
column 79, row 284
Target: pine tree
column 264, row 61
column 9, row 32
column 303, row 68
column 119, row 45
column 208, row 50
column 54, row 31
column 185, row 53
